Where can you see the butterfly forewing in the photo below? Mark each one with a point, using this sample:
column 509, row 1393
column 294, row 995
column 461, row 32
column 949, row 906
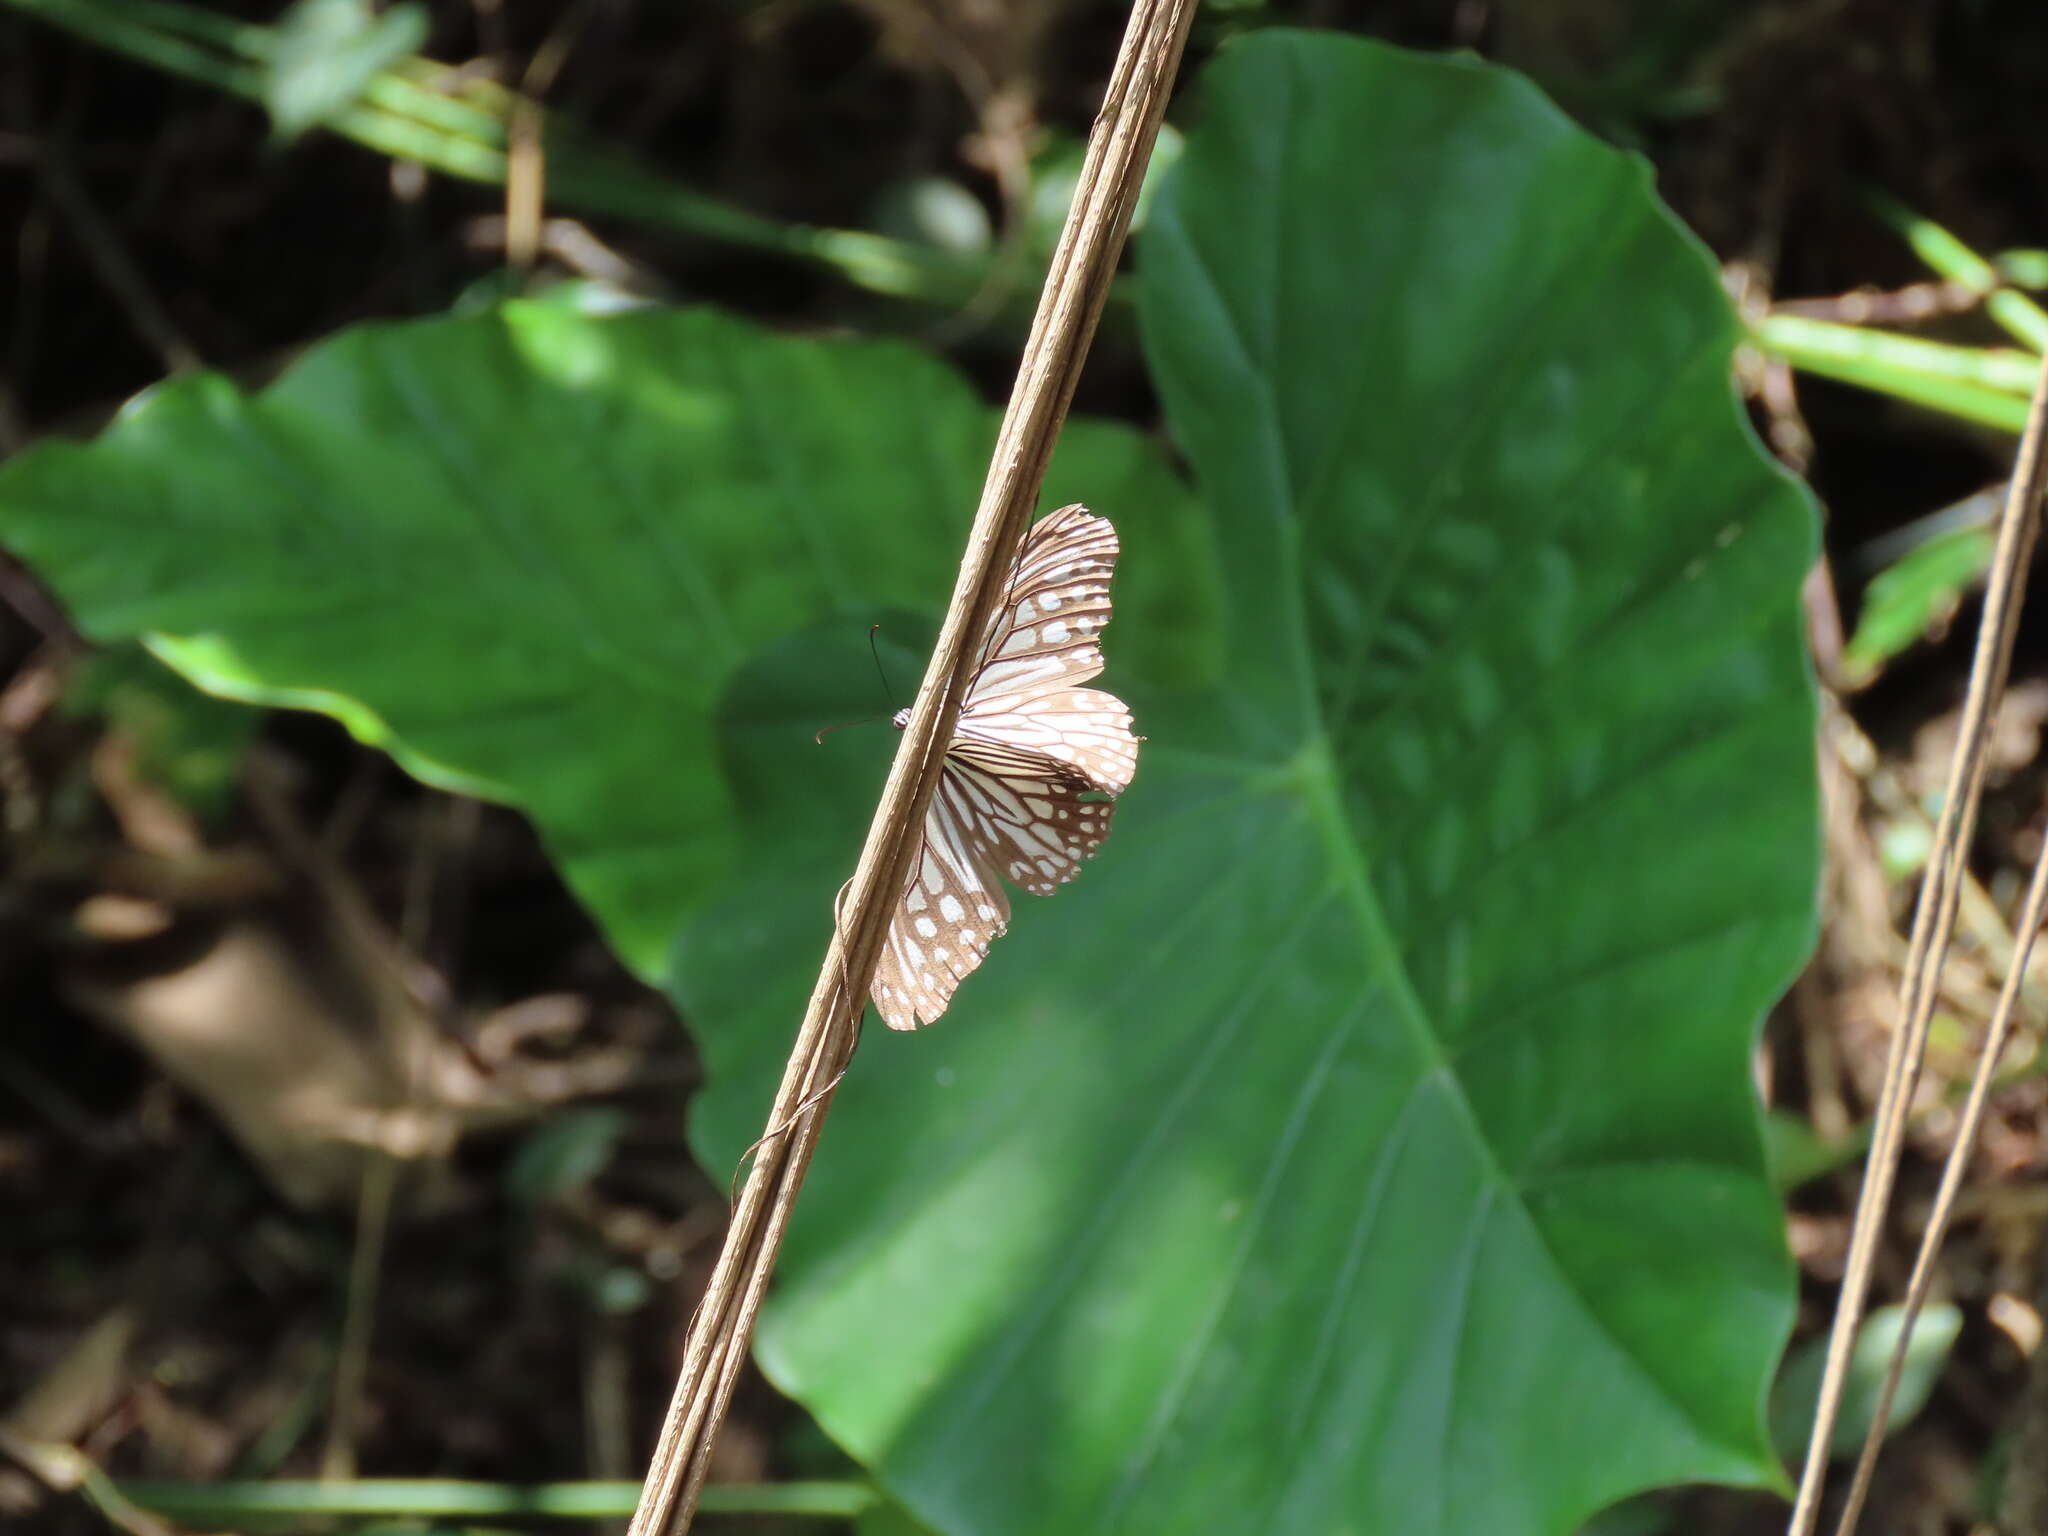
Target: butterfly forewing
column 1048, row 630
column 1030, row 750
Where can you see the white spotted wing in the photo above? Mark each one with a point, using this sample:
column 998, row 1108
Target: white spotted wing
column 1022, row 792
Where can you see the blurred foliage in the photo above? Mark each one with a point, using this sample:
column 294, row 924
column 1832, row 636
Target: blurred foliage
column 1797, row 1390
column 1987, row 386
column 327, row 51
column 1909, row 598
column 566, row 1153
column 185, row 741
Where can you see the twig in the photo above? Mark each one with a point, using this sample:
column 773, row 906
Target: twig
column 525, row 152
column 2019, row 315
column 1933, row 922
column 2031, row 914
column 64, row 1469
column 379, row 1180
column 378, row 1183
column 1910, row 305
column 1068, row 309
column 116, row 268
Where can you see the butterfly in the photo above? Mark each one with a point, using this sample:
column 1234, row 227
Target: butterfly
column 1029, row 750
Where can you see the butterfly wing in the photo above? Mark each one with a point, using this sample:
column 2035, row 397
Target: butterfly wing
column 1030, row 747
column 1048, row 631
column 1084, row 728
column 953, row 905
column 1045, row 642
column 997, row 812
column 1029, row 810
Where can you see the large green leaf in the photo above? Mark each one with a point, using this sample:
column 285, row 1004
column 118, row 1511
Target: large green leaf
column 1365, row 1142
column 525, row 552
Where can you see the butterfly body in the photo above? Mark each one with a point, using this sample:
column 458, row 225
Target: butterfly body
column 1026, row 787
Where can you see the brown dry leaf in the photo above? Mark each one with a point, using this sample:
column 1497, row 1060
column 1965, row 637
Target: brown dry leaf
column 291, row 1069
column 295, row 1016
column 310, row 1064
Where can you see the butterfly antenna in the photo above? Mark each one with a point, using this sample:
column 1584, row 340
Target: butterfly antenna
column 888, row 692
column 843, row 725
column 875, row 650
column 732, row 1192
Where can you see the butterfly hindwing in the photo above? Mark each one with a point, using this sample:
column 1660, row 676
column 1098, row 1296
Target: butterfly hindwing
column 1084, row 728
column 1030, row 809
column 953, row 905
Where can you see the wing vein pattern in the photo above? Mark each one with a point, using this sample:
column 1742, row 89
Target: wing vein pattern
column 1026, row 789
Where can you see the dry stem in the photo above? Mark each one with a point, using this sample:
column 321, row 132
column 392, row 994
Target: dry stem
column 1933, row 922
column 1071, row 303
